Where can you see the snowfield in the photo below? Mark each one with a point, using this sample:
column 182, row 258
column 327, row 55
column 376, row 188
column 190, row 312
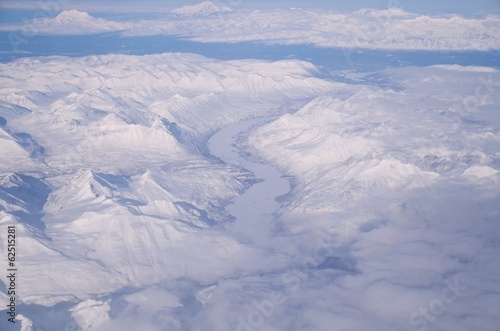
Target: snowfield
column 130, row 211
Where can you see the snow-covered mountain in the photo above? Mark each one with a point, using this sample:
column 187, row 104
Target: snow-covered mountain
column 331, row 141
column 201, row 9
column 112, row 179
column 121, row 209
column 71, row 22
column 391, row 28
column 72, row 16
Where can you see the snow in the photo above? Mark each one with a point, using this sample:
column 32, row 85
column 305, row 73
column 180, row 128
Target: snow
column 203, row 8
column 90, row 313
column 70, row 22
column 372, row 29
column 178, row 192
column 26, row 323
column 130, row 194
column 72, row 16
column 331, row 142
column 390, row 29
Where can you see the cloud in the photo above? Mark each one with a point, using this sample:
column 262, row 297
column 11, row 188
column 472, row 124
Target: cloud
column 367, row 28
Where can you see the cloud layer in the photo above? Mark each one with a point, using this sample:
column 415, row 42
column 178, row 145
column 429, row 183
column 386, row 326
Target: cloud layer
column 367, row 28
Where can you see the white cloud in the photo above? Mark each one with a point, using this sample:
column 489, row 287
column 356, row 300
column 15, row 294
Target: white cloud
column 368, row 28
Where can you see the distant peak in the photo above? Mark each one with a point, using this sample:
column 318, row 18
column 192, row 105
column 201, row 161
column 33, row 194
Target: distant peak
column 74, row 22
column 204, row 8
column 393, row 11
column 69, row 16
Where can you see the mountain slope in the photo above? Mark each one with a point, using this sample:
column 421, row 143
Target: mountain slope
column 124, row 220
column 130, row 194
column 71, row 22
column 364, row 145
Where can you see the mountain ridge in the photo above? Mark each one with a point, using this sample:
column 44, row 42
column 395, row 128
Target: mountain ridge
column 202, row 9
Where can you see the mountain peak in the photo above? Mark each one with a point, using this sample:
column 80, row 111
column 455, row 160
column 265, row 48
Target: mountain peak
column 74, row 22
column 382, row 13
column 204, row 8
column 71, row 16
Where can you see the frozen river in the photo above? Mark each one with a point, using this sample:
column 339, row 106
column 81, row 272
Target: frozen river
column 254, row 209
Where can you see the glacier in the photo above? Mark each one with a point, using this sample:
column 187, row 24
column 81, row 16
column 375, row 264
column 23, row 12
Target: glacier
column 177, row 191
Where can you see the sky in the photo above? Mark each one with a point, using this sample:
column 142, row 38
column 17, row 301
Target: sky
column 477, row 7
